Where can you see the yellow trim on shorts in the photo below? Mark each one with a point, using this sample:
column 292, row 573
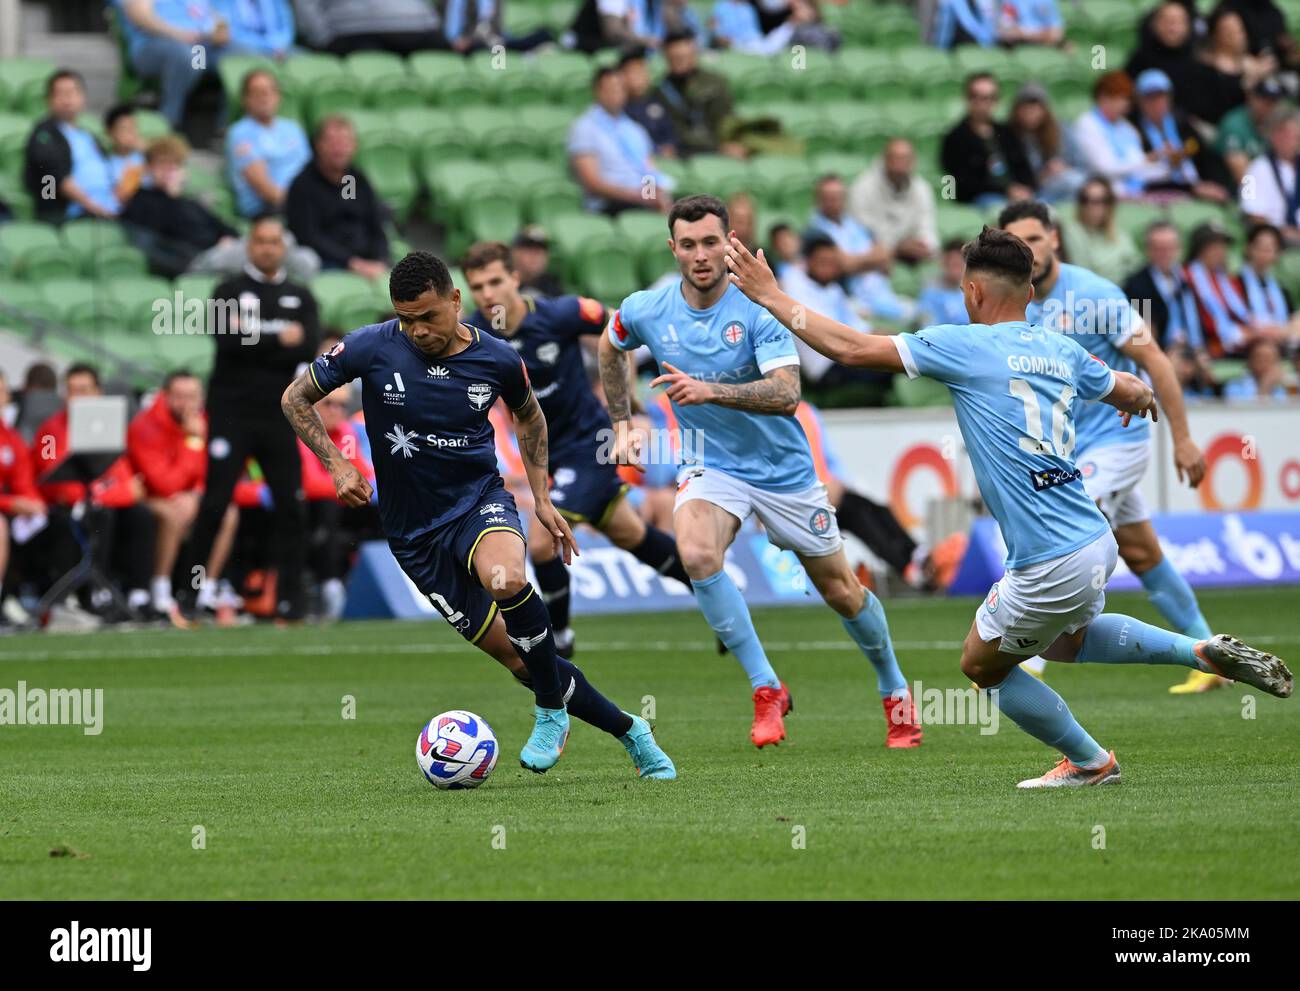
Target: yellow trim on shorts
column 492, row 614
column 608, row 514
column 469, row 559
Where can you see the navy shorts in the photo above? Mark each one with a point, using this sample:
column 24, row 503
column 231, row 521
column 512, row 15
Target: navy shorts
column 583, row 489
column 441, row 563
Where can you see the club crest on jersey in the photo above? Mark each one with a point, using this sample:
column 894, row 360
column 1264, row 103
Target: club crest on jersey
column 548, row 353
column 991, row 603
column 1088, row 468
column 820, row 522
column 480, row 395
column 733, row 333
column 335, row 351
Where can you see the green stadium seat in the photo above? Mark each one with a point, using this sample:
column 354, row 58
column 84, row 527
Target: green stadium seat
column 957, row 220
column 340, row 294
column 195, row 286
column 919, row 392
column 19, row 200
column 115, row 261
column 14, row 129
column 1133, row 218
column 928, row 70
column 772, row 175
column 333, row 95
column 194, row 352
column 151, row 124
column 23, row 81
column 445, row 77
column 484, row 127
column 388, row 166
column 847, row 167
column 93, row 316
column 549, row 198
column 86, row 236
column 19, row 238
column 492, row 219
column 394, row 92
column 452, row 183
column 716, row 174
column 1191, row 214
column 306, row 70
column 60, row 296
column 138, row 296
column 606, row 269
column 20, row 295
column 385, row 80
column 571, row 232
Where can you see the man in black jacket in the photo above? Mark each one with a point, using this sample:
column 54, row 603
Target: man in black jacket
column 172, row 230
column 64, row 169
column 1160, row 290
column 333, row 209
column 984, row 158
column 265, row 328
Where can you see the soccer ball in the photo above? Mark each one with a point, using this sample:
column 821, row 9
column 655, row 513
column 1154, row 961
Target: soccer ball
column 457, row 749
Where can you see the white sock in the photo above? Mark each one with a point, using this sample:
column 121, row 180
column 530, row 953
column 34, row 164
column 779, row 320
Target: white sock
column 137, row 597
column 207, row 598
column 1097, row 763
column 1034, row 665
column 161, row 589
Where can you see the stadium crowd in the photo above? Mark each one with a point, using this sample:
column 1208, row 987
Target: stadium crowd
column 1199, row 123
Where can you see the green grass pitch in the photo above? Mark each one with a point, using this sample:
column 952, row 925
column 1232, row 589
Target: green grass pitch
column 241, row 732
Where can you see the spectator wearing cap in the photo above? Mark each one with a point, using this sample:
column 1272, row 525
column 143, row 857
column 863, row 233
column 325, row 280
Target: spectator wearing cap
column 125, row 151
column 1048, row 147
column 1241, row 132
column 644, row 106
column 66, row 172
column 1161, row 290
column 1091, row 238
column 1179, row 160
column 161, row 41
column 984, row 158
column 1111, row 146
column 264, row 151
column 332, row 208
column 259, row 27
column 611, row 155
column 698, row 102
column 1225, row 319
column 1269, row 304
column 530, row 254
column 895, row 206
column 818, row 285
column 1264, row 380
column 1270, row 190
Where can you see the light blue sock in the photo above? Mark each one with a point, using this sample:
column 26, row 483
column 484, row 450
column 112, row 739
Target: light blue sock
column 1116, row 639
column 1170, row 593
column 1039, row 711
column 725, row 609
column 870, row 631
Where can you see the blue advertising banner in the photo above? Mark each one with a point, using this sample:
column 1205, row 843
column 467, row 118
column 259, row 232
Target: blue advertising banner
column 1209, row 549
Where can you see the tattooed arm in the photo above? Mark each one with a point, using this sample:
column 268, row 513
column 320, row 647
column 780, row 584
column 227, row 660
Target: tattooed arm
column 776, row 394
column 298, row 403
column 616, row 378
column 530, row 430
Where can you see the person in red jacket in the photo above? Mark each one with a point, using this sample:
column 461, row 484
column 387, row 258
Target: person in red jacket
column 165, row 447
column 19, row 498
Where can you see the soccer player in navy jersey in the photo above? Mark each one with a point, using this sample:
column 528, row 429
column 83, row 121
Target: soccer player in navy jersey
column 428, row 383
column 585, row 486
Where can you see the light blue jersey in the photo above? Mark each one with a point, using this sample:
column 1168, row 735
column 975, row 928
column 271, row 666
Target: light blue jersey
column 1013, row 386
column 1096, row 313
column 734, row 341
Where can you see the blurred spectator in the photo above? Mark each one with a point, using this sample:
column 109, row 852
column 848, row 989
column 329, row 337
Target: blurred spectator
column 1194, row 372
column 1049, row 148
column 736, row 27
column 785, row 248
column 817, row 284
column 865, row 262
column 19, row 501
column 1266, row 31
column 985, row 160
column 1227, row 51
column 1167, row 43
column 1179, row 160
column 895, row 206
column 1111, row 147
column 66, row 172
column 1225, row 319
column 1030, row 22
column 1264, row 375
column 264, row 152
column 346, row 26
column 1270, row 193
column 39, row 399
column 679, row 18
column 164, row 445
column 172, row 229
column 744, row 219
column 1241, row 132
column 804, row 16
column 161, row 38
column 617, row 23
column 942, row 301
column 259, row 27
column 1091, row 237
column 697, row 101
column 643, row 105
column 610, row 153
column 1268, row 303
column 530, row 254
column 475, row 25
column 964, row 22
column 1162, row 293
column 125, row 151
column 333, row 209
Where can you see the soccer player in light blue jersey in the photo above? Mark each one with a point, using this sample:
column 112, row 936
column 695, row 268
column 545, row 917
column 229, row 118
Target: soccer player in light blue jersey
column 1096, row 313
column 732, row 375
column 1013, row 386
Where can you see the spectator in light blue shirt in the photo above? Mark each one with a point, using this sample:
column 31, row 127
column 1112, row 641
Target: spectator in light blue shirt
column 941, row 301
column 1030, row 22
column 1263, row 378
column 175, row 42
column 965, row 22
column 66, row 171
column 736, row 26
column 263, row 152
column 610, row 153
column 259, row 27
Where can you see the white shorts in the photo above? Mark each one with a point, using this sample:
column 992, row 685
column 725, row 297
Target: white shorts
column 1111, row 476
column 803, row 522
column 1030, row 607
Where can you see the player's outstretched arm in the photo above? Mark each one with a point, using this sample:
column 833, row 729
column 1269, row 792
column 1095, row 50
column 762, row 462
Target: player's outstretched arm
column 1132, row 397
column 776, row 394
column 752, row 276
column 1189, row 462
column 298, row 403
column 530, row 429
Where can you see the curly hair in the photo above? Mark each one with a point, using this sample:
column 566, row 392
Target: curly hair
column 416, row 274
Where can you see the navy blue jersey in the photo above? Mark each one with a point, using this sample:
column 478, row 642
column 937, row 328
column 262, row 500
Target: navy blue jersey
column 548, row 341
column 427, row 419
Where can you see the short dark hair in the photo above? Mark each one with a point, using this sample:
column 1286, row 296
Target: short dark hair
column 484, row 253
column 680, row 35
column 40, row 375
column 177, row 373
column 693, row 208
column 416, row 274
column 975, row 77
column 265, row 217
column 116, row 113
column 64, row 73
column 998, row 253
column 1027, row 210
column 81, row 368
column 814, row 241
column 1260, row 229
column 252, row 74
column 601, row 72
column 632, row 53
column 954, row 244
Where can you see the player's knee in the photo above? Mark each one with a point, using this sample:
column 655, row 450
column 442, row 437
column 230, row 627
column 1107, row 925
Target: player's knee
column 700, row 561
column 844, row 594
column 506, row 580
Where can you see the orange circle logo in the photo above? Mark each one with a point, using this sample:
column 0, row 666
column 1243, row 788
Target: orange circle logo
column 1231, row 446
column 919, row 456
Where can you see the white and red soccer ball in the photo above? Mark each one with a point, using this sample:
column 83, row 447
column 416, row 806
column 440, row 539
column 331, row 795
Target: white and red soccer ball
column 457, row 749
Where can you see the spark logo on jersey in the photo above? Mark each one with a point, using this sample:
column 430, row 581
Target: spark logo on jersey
column 480, row 395
column 433, row 440
column 733, row 333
